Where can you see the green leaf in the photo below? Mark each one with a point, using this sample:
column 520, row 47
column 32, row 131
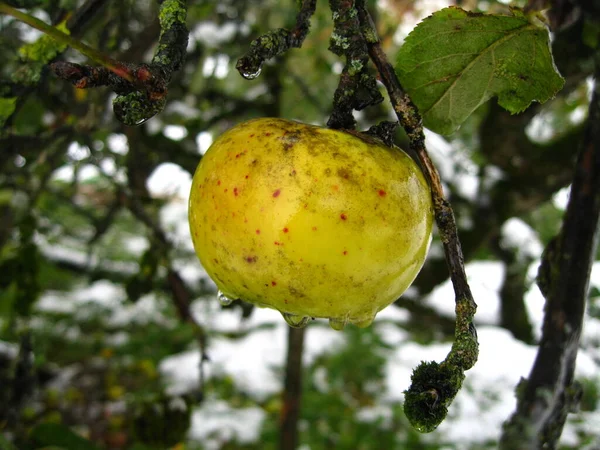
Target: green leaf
column 7, row 107
column 55, row 435
column 455, row 60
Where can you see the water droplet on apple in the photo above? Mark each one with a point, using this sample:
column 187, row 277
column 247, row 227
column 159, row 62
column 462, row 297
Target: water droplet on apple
column 338, row 324
column 296, row 321
column 223, row 299
column 251, row 75
column 364, row 322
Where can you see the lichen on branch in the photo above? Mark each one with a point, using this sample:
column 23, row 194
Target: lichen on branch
column 357, row 88
column 276, row 42
column 141, row 87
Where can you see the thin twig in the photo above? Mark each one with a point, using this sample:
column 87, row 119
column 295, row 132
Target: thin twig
column 276, row 42
column 95, row 55
column 434, row 385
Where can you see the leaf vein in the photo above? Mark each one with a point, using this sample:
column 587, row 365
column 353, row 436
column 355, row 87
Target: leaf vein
column 476, row 59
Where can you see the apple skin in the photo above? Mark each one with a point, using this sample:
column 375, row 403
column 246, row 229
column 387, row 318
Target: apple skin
column 310, row 221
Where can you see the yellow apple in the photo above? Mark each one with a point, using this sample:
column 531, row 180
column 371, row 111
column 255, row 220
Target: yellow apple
column 310, row 221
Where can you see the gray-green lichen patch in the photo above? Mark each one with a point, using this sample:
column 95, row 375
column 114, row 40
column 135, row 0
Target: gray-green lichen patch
column 171, row 12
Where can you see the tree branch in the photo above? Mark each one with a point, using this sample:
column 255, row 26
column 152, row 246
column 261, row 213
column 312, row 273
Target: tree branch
column 357, row 88
column 290, row 412
column 550, row 393
column 142, row 88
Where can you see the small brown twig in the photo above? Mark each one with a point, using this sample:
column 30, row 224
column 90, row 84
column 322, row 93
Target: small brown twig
column 276, row 42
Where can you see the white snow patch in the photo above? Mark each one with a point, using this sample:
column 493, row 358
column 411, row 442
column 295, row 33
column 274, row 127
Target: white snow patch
column 216, row 423
column 539, row 129
column 117, row 143
column 411, row 18
column 216, row 66
column 516, row 234
column 561, row 198
column 254, row 360
column 454, row 165
column 485, row 279
column 204, row 140
column 78, row 152
column 174, row 219
column 67, row 173
column 169, row 179
column 136, row 245
column 175, row 132
column 213, row 35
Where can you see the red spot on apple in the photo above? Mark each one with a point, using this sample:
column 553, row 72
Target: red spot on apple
column 276, row 193
column 285, row 300
column 345, row 252
column 268, row 134
column 235, row 191
column 246, row 176
column 237, row 156
column 257, row 231
column 251, row 259
column 314, row 228
column 285, row 230
column 277, row 243
column 252, row 135
column 343, row 216
column 382, row 193
column 218, row 182
column 273, row 283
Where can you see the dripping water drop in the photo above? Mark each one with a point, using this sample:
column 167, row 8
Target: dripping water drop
column 364, row 322
column 338, row 324
column 296, row 321
column 251, row 75
column 224, row 300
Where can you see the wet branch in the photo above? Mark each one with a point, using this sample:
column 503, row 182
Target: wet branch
column 141, row 87
column 434, row 385
column 276, row 42
column 550, row 393
column 357, row 88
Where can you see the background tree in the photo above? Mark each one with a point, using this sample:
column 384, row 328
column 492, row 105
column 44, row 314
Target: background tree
column 110, row 328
